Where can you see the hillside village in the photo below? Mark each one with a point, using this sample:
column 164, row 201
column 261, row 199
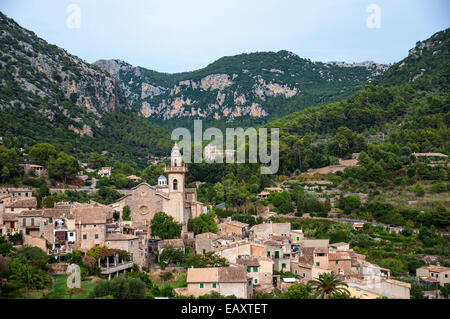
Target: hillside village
column 93, row 187
column 250, row 260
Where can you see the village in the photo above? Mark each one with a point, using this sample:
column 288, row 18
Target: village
column 260, row 259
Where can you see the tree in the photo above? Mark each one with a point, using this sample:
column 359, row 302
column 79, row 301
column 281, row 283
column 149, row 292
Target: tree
column 352, row 202
column 419, row 190
column 299, row 291
column 203, row 224
column 396, row 266
column 126, row 213
column 63, row 168
column 328, row 285
column 120, row 288
column 5, row 173
column 42, row 153
column 96, row 160
column 416, row 292
column 8, row 162
column 151, row 173
column 165, row 227
column 171, row 255
column 209, row 259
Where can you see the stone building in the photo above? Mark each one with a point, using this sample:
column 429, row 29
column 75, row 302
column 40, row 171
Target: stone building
column 434, row 274
column 259, row 270
column 226, row 281
column 20, row 205
column 171, row 198
column 232, row 228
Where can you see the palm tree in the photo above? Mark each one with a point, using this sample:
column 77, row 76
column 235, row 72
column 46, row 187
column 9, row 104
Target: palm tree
column 328, row 285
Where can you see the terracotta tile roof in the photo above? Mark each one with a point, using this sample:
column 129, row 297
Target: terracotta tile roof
column 200, row 275
column 339, row 256
column 92, row 215
column 437, row 268
column 399, row 283
column 31, row 213
column 430, row 154
column 24, row 203
column 232, row 274
column 237, row 224
column 9, row 217
column 119, row 237
column 57, row 212
column 208, row 235
column 249, row 262
column 273, row 243
column 278, row 238
column 339, row 244
column 307, row 256
column 321, row 250
column 18, row 189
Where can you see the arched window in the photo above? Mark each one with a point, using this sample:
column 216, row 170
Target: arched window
column 174, row 162
column 175, row 184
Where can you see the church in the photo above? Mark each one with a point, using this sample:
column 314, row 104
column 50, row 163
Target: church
column 169, row 196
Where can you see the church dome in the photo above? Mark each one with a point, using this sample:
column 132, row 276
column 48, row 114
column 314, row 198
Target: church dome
column 162, row 180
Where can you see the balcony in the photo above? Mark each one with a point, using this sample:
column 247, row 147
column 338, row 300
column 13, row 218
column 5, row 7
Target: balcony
column 175, row 169
column 113, row 269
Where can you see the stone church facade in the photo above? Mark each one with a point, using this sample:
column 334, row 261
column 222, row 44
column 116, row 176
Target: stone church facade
column 172, row 198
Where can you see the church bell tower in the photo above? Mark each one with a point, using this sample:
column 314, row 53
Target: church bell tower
column 175, row 173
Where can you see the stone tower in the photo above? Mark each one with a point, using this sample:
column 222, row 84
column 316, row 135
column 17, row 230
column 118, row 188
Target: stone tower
column 175, row 173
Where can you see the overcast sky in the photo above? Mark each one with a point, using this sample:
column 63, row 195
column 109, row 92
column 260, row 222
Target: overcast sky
column 184, row 35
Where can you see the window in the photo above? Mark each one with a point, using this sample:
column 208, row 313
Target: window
column 71, row 234
column 84, row 236
column 214, row 285
column 202, row 285
column 175, row 184
column 337, row 262
column 255, row 269
column 249, row 269
column 268, row 254
column 298, row 238
column 283, row 266
column 32, row 221
column 446, row 276
column 204, row 251
column 304, row 275
column 24, row 221
column 96, row 236
column 256, row 281
column 317, row 263
column 277, row 254
column 131, row 243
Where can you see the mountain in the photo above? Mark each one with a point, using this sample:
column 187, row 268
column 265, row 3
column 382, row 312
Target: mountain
column 246, row 88
column 427, row 65
column 407, row 106
column 49, row 95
